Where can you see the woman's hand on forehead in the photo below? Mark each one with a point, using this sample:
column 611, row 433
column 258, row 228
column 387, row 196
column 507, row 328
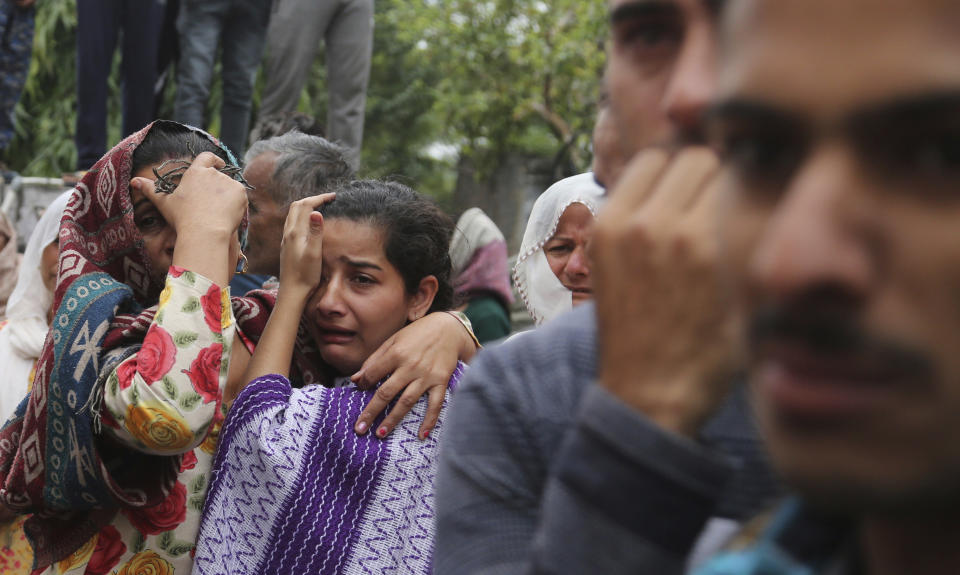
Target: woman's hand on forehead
column 205, row 199
column 301, row 251
column 170, row 173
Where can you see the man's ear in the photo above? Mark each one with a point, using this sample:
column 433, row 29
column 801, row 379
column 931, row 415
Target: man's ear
column 422, row 299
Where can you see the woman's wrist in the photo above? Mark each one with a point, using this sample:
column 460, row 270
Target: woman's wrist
column 204, row 253
column 293, row 294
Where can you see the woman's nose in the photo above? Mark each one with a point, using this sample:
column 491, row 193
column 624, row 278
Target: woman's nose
column 331, row 300
column 578, row 265
column 170, row 242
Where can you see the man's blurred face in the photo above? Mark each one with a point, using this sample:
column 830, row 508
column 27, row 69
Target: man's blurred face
column 266, row 217
column 839, row 123
column 660, row 69
column 609, row 159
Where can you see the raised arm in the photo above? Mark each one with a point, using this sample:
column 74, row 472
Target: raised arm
column 300, row 271
column 164, row 398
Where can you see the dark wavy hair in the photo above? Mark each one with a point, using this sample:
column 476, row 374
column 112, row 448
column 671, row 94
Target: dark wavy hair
column 416, row 232
column 168, row 141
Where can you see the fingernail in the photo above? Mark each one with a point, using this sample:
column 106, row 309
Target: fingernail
column 362, row 427
column 355, row 377
column 425, row 434
column 135, row 184
column 382, row 432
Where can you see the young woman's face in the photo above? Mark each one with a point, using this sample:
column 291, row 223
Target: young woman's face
column 49, row 258
column 159, row 237
column 361, row 300
column 566, row 251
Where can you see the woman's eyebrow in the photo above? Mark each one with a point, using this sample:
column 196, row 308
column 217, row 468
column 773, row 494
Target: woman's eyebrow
column 360, row 263
column 140, row 202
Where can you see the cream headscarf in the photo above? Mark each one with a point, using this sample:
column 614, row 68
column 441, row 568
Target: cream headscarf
column 22, row 339
column 539, row 287
column 9, row 262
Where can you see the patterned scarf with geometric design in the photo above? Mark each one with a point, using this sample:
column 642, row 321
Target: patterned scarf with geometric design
column 53, row 463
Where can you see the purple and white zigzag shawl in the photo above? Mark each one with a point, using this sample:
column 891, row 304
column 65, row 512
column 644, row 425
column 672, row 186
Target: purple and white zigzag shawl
column 295, row 490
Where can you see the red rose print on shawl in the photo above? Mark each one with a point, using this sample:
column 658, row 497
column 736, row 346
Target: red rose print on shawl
column 176, row 271
column 163, row 517
column 212, row 308
column 107, row 553
column 204, row 372
column 189, row 461
column 107, row 419
column 125, row 373
column 157, row 355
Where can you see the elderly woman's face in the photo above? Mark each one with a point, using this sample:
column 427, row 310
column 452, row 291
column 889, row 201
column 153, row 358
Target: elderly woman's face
column 566, row 251
column 49, row 258
column 159, row 237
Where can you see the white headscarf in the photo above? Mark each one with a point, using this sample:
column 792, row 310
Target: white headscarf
column 539, row 287
column 9, row 262
column 22, row 339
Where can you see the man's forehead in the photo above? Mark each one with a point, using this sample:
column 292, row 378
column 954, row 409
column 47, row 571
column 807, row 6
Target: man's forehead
column 261, row 162
column 823, row 57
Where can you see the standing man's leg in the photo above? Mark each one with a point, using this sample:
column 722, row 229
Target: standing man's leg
column 168, row 53
column 16, row 32
column 349, row 49
column 142, row 25
column 98, row 22
column 199, row 24
column 243, row 39
column 296, row 28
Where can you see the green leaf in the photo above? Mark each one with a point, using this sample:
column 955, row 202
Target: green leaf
column 114, row 382
column 198, row 483
column 139, row 542
column 196, row 503
column 192, row 305
column 184, row 339
column 179, row 548
column 190, row 401
column 169, row 387
column 159, row 317
column 189, row 277
column 165, row 540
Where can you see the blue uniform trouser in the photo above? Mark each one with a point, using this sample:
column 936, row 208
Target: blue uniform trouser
column 16, row 44
column 99, row 22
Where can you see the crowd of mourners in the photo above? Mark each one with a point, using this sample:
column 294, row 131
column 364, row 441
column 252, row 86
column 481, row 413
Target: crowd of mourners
column 743, row 360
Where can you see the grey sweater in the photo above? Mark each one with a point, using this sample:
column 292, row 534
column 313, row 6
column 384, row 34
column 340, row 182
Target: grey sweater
column 543, row 471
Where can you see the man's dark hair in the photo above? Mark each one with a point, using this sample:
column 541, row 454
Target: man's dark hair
column 416, row 232
column 304, row 166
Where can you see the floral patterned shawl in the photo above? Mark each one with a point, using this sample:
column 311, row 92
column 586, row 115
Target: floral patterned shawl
column 53, row 462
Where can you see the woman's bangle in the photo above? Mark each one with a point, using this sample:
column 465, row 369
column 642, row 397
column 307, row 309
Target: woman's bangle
column 465, row 321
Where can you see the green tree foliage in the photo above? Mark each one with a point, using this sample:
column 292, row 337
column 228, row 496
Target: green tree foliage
column 482, row 79
column 45, row 116
column 505, row 76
